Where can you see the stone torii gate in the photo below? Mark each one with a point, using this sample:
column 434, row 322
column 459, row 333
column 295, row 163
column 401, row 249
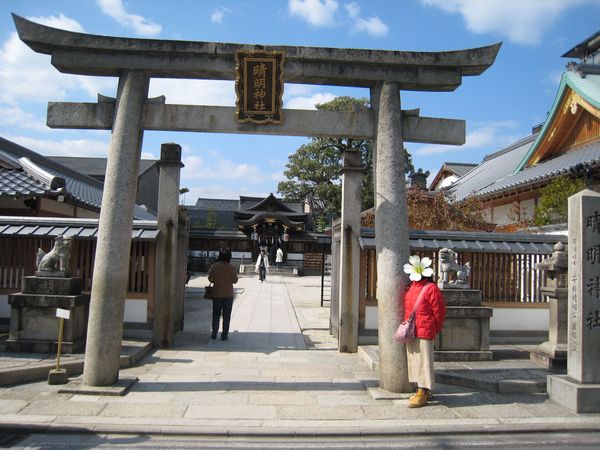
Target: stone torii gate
column 136, row 61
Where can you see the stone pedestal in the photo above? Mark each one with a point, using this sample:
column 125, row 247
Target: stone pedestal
column 466, row 332
column 33, row 321
column 552, row 354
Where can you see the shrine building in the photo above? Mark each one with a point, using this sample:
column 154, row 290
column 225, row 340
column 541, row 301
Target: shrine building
column 250, row 224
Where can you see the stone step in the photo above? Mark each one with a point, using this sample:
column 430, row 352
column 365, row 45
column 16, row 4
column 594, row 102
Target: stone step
column 285, row 271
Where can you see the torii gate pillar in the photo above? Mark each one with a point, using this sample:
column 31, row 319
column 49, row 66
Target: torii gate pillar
column 111, row 265
column 391, row 237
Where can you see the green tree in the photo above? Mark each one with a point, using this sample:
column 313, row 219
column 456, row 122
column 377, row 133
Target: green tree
column 211, row 219
column 553, row 206
column 313, row 171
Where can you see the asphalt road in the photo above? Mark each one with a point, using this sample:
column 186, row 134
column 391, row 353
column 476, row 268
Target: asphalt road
column 527, row 440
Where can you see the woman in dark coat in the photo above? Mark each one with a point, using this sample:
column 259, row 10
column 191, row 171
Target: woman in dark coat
column 224, row 276
column 429, row 318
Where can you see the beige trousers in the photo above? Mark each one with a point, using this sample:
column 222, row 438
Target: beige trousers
column 419, row 353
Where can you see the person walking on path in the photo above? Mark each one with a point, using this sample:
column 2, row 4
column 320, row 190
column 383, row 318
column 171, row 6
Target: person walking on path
column 262, row 266
column 430, row 312
column 224, row 276
column 279, row 258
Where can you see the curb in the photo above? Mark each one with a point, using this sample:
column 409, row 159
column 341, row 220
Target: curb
column 301, row 432
column 133, row 351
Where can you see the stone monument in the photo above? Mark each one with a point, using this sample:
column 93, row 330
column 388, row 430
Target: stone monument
column 579, row 390
column 33, row 322
column 466, row 332
column 553, row 353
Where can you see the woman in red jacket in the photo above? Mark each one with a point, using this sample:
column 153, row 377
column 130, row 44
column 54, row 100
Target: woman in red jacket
column 429, row 317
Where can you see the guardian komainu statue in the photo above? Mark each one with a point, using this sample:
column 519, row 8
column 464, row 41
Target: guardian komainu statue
column 56, row 261
column 452, row 274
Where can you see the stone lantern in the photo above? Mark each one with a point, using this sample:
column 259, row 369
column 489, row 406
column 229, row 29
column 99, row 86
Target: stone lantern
column 553, row 353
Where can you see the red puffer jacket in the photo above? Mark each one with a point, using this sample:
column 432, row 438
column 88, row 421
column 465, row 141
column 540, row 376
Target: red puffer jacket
column 430, row 312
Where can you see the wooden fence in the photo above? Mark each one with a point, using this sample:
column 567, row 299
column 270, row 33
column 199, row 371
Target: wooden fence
column 18, row 254
column 501, row 277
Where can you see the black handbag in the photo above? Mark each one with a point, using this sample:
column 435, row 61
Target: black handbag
column 208, row 291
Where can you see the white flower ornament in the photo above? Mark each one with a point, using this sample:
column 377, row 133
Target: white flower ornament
column 418, row 268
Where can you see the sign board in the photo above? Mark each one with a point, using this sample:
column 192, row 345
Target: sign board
column 63, row 313
column 259, row 86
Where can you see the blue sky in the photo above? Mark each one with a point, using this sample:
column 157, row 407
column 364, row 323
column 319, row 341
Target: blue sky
column 499, row 106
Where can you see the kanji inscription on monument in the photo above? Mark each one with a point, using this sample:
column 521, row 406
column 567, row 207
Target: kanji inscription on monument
column 259, row 86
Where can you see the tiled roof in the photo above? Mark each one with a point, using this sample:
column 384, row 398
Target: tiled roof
column 216, row 204
column 143, row 230
column 79, row 188
column 223, row 219
column 16, row 183
column 475, row 241
column 494, row 167
column 93, row 167
column 242, row 204
column 249, row 202
column 459, row 169
column 588, row 154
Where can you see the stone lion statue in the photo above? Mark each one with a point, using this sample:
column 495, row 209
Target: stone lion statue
column 450, row 272
column 57, row 259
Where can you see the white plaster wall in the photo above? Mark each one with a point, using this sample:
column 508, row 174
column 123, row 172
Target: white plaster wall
column 509, row 319
column 448, row 181
column 4, row 306
column 501, row 214
column 522, row 319
column 487, row 215
column 371, row 318
column 528, row 207
column 136, row 310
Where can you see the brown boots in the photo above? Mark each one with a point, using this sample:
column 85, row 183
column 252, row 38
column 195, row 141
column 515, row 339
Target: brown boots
column 420, row 398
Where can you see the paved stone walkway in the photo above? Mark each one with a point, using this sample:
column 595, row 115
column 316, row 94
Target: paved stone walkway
column 276, row 375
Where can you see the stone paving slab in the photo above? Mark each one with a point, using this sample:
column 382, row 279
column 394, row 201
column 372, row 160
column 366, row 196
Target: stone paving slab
column 203, row 387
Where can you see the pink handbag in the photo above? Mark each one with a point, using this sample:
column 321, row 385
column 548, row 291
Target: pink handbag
column 406, row 331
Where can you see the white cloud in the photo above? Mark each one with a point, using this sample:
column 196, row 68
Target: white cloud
column 27, row 76
column 65, row 147
column 15, row 117
column 198, row 92
column 218, row 191
column 277, row 177
column 61, row 21
column 490, row 137
column 218, row 14
column 214, row 167
column 319, row 13
column 140, row 25
column 149, row 155
column 523, row 22
column 294, row 90
column 308, row 102
column 373, row 26
column 353, row 9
